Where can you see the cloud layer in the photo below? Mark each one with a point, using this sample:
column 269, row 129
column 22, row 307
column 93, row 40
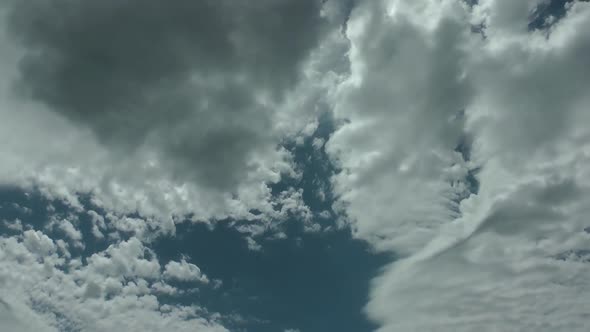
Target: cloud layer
column 466, row 153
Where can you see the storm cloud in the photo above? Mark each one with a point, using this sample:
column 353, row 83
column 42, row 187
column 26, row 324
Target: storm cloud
column 199, row 82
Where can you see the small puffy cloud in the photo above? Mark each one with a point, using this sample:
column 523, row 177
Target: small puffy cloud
column 98, row 224
column 126, row 259
column 67, row 227
column 17, row 317
column 44, row 290
column 135, row 226
column 325, row 214
column 184, row 271
column 21, row 209
column 291, row 204
column 252, row 244
column 38, row 243
column 164, row 288
column 318, row 143
column 15, row 225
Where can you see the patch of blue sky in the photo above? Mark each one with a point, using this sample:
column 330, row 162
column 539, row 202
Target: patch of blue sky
column 304, row 280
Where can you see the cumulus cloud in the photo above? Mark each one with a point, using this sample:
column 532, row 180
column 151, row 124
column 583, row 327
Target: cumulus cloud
column 401, row 101
column 98, row 224
column 15, row 225
column 45, row 290
column 67, row 227
column 184, row 271
column 461, row 146
column 187, row 103
column 197, row 80
column 465, row 152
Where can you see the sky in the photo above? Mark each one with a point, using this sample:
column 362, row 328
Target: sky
column 294, row 165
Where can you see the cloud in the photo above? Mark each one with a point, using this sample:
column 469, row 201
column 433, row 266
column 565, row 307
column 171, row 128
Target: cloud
column 15, row 225
column 187, row 103
column 184, row 271
column 197, row 80
column 461, row 146
column 68, row 228
column 401, row 102
column 98, row 224
column 43, row 289
column 19, row 318
column 467, row 156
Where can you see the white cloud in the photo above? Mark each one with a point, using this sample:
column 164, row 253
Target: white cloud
column 21, row 209
column 68, row 228
column 252, row 244
column 163, row 288
column 98, row 224
column 15, row 225
column 402, row 95
column 318, row 143
column 511, row 257
column 38, row 243
column 116, row 289
column 184, row 271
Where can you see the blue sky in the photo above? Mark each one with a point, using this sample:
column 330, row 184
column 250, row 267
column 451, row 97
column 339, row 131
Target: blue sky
column 294, row 165
column 311, row 281
column 270, row 289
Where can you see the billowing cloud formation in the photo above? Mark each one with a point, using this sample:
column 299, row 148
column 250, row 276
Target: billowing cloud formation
column 44, row 289
column 199, row 79
column 403, row 100
column 138, row 115
column 187, row 102
column 466, row 152
column 463, row 149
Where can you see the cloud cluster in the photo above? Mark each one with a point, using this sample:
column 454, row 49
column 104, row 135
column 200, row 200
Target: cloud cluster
column 466, row 152
column 44, row 289
column 168, row 110
column 139, row 115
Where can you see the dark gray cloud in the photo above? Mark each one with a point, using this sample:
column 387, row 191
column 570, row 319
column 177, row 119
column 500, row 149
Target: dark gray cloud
column 199, row 80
